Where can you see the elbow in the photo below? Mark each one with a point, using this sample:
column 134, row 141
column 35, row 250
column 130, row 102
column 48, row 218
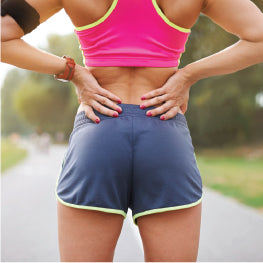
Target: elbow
column 253, row 34
column 258, row 44
column 258, row 40
column 10, row 30
column 253, row 40
column 261, row 50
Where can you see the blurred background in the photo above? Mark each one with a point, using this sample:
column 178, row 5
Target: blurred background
column 225, row 118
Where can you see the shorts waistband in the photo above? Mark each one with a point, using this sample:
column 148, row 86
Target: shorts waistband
column 127, row 110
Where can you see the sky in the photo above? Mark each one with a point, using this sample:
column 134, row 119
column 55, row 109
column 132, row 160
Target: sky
column 58, row 24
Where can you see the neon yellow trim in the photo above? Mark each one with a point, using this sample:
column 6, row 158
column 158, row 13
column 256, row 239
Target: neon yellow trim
column 160, row 210
column 102, row 209
column 114, row 3
column 162, row 15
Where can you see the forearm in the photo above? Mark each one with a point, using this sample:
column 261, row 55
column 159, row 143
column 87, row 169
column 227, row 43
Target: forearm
column 20, row 54
column 234, row 58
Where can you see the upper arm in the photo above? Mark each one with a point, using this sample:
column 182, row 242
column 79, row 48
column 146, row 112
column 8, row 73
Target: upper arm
column 240, row 17
column 46, row 8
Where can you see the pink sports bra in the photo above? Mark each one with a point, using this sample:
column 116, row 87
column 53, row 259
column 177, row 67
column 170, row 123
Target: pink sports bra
column 132, row 33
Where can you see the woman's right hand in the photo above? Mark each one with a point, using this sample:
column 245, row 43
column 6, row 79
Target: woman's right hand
column 92, row 96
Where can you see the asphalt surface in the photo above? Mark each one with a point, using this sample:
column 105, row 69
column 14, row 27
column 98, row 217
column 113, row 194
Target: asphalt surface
column 230, row 231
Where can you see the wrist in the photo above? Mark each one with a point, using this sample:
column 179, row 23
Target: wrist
column 189, row 74
column 61, row 66
column 77, row 73
column 80, row 72
column 69, row 70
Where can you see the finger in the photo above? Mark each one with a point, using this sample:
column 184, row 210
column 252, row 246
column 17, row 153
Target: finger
column 168, row 84
column 159, row 110
column 105, row 101
column 90, row 113
column 170, row 114
column 108, row 94
column 100, row 108
column 154, row 101
column 153, row 93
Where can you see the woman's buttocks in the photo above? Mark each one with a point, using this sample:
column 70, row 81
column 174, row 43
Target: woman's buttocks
column 130, row 83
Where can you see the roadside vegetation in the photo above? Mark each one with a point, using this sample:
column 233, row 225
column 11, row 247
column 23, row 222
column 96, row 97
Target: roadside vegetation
column 11, row 154
column 235, row 172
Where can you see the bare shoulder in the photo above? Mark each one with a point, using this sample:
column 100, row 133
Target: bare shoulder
column 240, row 17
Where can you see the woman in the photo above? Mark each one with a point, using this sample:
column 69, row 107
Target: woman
column 130, row 145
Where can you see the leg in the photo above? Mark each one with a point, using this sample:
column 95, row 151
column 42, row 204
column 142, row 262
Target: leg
column 87, row 235
column 171, row 235
column 95, row 174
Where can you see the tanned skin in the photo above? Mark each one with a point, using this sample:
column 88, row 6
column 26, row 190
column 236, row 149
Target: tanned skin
column 86, row 235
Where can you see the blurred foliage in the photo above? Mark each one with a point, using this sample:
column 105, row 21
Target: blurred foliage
column 221, row 110
column 234, row 171
column 11, row 154
column 10, row 120
column 47, row 106
column 38, row 99
column 236, row 176
column 259, row 3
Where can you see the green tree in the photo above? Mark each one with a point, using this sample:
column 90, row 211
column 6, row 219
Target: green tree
column 10, row 120
column 45, row 102
column 221, row 109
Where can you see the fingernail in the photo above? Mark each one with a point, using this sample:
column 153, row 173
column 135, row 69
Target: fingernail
column 149, row 114
column 119, row 110
column 119, row 101
column 97, row 121
column 142, row 98
column 142, row 106
column 162, row 118
column 115, row 114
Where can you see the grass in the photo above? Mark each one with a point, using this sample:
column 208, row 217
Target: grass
column 237, row 173
column 11, row 154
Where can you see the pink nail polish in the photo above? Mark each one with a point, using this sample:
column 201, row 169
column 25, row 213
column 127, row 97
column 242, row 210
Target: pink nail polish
column 142, row 98
column 142, row 107
column 119, row 101
column 97, row 121
column 115, row 114
column 149, row 114
column 162, row 118
column 119, row 110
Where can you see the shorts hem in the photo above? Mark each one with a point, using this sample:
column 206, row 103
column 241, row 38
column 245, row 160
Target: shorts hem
column 159, row 210
column 102, row 209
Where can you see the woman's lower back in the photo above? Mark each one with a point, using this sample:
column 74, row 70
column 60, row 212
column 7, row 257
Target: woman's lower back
column 130, row 83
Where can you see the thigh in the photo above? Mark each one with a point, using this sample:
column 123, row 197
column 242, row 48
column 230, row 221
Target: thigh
column 171, row 235
column 87, row 235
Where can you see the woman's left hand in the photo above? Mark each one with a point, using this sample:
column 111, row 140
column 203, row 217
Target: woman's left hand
column 174, row 95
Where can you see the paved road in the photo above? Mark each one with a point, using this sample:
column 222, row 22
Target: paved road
column 229, row 232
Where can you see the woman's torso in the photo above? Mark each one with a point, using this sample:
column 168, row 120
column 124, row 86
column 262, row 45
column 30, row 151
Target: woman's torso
column 130, row 83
